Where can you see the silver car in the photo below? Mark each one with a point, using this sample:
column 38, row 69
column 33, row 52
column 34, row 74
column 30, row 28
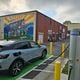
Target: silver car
column 13, row 56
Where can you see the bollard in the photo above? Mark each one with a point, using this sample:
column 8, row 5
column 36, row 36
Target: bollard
column 63, row 48
column 57, row 70
column 39, row 42
column 51, row 48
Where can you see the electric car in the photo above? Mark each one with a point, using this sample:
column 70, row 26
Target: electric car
column 13, row 56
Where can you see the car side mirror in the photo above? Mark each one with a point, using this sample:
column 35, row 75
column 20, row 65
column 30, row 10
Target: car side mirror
column 39, row 45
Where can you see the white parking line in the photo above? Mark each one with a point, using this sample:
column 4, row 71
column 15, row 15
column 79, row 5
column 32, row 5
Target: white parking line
column 43, row 70
column 24, row 79
column 20, row 78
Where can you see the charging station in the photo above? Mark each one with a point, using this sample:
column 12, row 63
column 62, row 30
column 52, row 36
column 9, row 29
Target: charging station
column 74, row 55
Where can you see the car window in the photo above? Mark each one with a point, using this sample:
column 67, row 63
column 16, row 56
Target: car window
column 33, row 44
column 23, row 47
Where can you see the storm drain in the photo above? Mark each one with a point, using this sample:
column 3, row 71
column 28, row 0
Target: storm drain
column 31, row 75
column 48, row 61
column 35, row 72
column 42, row 66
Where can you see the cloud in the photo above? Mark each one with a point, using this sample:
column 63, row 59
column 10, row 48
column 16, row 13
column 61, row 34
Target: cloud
column 60, row 10
column 69, row 11
column 4, row 1
column 18, row 5
column 13, row 6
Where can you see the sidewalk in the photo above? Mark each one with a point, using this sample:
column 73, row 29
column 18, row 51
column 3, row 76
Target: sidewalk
column 63, row 76
column 48, row 72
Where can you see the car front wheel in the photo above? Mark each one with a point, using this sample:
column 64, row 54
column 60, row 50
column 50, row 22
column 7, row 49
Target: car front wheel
column 44, row 53
column 16, row 67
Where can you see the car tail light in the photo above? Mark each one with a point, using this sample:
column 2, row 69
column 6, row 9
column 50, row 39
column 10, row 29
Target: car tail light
column 3, row 56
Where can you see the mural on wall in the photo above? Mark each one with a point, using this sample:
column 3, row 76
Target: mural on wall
column 19, row 27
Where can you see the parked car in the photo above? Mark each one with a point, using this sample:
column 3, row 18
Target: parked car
column 13, row 56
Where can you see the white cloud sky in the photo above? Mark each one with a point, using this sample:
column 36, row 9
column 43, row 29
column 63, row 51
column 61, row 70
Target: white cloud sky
column 59, row 10
column 18, row 5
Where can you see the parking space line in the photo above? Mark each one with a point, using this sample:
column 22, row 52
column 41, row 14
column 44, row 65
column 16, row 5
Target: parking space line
column 43, row 70
column 20, row 78
column 25, row 79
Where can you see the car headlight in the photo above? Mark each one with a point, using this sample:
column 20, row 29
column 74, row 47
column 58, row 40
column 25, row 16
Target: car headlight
column 2, row 56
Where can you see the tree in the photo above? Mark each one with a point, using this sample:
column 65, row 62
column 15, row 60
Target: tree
column 67, row 22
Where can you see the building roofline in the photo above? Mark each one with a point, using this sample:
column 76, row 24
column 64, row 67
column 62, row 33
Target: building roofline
column 49, row 17
column 18, row 13
column 32, row 12
column 75, row 23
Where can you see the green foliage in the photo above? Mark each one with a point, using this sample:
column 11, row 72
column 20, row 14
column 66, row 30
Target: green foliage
column 67, row 22
column 65, row 69
column 27, row 37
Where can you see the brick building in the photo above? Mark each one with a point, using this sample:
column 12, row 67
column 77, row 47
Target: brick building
column 31, row 25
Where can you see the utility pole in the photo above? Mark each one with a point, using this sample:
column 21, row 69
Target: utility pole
column 74, row 54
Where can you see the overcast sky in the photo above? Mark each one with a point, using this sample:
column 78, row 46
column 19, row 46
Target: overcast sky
column 59, row 10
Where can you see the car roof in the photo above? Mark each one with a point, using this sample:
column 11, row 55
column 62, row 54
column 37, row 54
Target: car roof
column 21, row 41
column 5, row 43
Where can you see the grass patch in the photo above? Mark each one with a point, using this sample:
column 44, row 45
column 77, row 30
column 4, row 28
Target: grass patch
column 65, row 69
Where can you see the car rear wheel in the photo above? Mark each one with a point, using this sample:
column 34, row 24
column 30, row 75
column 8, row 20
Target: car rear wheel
column 44, row 53
column 16, row 67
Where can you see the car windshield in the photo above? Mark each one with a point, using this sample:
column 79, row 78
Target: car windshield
column 5, row 47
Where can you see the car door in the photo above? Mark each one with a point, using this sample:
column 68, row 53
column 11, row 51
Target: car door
column 35, row 50
column 25, row 50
